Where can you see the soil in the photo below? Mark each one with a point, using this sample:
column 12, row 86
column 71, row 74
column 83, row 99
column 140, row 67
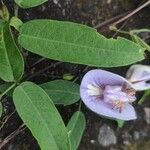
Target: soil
column 135, row 135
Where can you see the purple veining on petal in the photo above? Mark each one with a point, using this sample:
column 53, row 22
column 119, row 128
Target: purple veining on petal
column 116, row 92
column 116, row 97
column 96, row 93
column 138, row 75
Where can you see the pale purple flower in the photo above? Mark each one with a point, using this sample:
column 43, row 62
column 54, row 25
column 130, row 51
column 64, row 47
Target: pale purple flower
column 111, row 95
column 139, row 75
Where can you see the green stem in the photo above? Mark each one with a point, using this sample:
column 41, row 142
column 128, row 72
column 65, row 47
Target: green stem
column 146, row 94
column 7, row 90
column 120, row 31
column 16, row 8
column 139, row 31
column 80, row 103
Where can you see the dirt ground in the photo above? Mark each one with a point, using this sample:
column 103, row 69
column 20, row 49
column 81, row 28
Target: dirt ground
column 135, row 135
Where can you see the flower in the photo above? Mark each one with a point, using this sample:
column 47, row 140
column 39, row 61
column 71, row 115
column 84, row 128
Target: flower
column 111, row 95
column 139, row 75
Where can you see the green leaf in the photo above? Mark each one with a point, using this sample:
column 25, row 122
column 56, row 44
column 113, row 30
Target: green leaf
column 4, row 13
column 62, row 92
column 11, row 60
column 1, row 109
column 41, row 116
column 75, row 43
column 145, row 97
column 29, row 3
column 16, row 23
column 76, row 127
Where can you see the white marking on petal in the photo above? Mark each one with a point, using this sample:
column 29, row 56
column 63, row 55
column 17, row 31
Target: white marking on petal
column 94, row 90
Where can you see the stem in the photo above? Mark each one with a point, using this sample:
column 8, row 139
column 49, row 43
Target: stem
column 122, row 26
column 12, row 135
column 16, row 8
column 37, row 62
column 41, row 71
column 132, row 13
column 146, row 94
column 7, row 90
column 80, row 103
column 121, row 31
column 100, row 25
column 139, row 31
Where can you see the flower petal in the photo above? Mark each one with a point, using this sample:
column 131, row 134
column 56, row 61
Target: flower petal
column 98, row 78
column 141, row 86
column 101, row 108
column 138, row 75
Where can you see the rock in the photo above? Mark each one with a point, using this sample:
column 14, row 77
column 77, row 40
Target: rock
column 56, row 1
column 144, row 133
column 106, row 136
column 136, row 135
column 147, row 115
column 127, row 138
column 92, row 141
column 109, row 1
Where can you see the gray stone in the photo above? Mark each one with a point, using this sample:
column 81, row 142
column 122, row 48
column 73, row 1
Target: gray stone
column 147, row 115
column 106, row 136
column 127, row 138
column 136, row 135
column 109, row 1
column 56, row 1
column 92, row 141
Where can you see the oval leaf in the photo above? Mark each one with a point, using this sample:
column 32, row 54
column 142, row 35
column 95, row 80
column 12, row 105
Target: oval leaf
column 76, row 127
column 75, row 43
column 4, row 13
column 41, row 116
column 29, row 3
column 62, row 91
column 11, row 60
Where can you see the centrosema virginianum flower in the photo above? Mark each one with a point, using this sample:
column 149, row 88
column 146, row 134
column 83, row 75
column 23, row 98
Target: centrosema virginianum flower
column 111, row 95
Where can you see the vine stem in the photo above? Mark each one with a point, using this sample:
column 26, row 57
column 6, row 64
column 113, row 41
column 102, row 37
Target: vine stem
column 132, row 13
column 12, row 135
column 109, row 21
column 41, row 71
column 16, row 9
column 7, row 90
column 80, row 103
